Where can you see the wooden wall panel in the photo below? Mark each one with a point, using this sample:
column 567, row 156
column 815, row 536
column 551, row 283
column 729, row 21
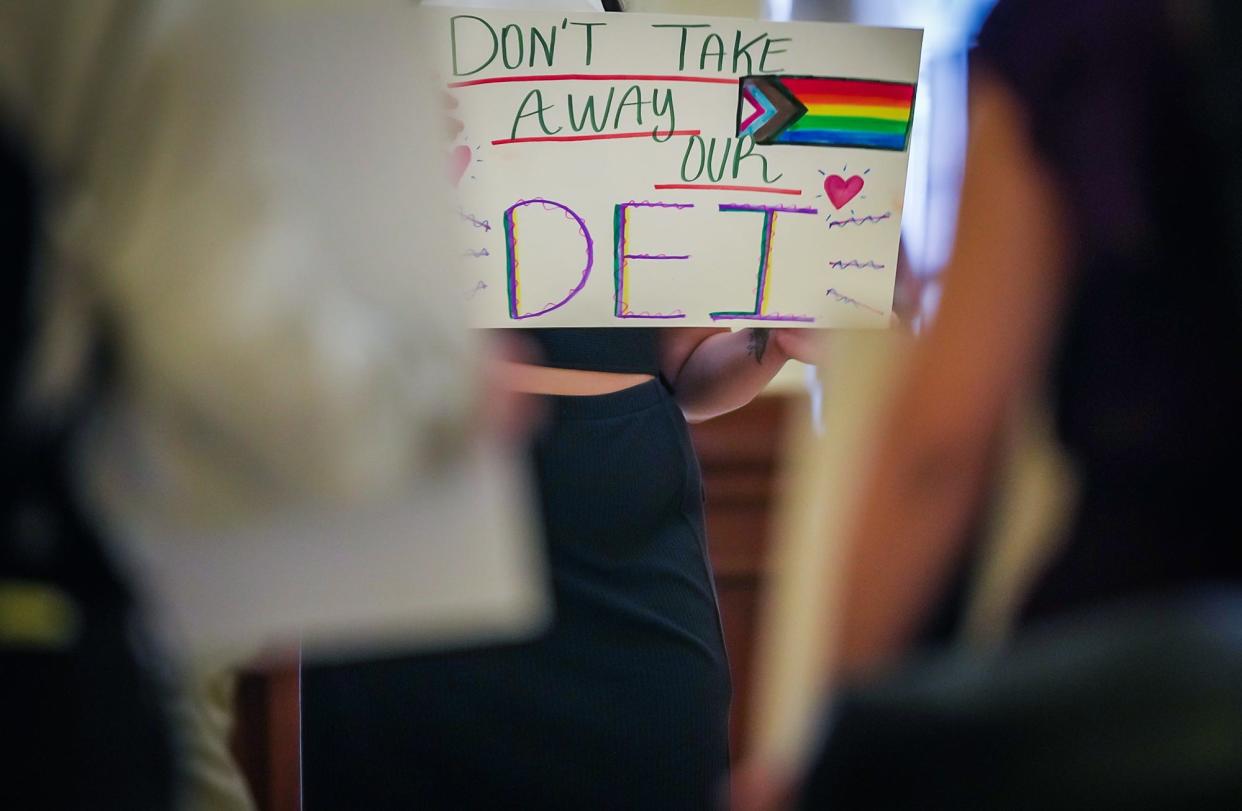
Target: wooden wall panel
column 738, row 453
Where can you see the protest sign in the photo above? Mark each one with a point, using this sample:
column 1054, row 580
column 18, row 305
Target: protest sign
column 652, row 170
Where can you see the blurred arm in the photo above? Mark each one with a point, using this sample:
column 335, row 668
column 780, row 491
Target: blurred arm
column 1002, row 290
column 716, row 371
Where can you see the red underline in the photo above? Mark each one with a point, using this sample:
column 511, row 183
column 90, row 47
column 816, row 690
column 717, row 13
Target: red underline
column 595, row 77
column 765, row 189
column 599, row 137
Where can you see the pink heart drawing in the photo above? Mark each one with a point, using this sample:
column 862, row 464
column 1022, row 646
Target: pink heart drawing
column 841, row 191
column 459, row 160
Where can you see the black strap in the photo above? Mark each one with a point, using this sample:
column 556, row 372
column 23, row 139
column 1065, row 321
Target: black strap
column 612, row 5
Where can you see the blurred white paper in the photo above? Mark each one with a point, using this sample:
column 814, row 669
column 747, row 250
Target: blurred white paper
column 256, row 204
column 450, row 562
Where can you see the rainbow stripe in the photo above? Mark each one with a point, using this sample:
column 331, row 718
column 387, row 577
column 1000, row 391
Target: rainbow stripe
column 849, row 112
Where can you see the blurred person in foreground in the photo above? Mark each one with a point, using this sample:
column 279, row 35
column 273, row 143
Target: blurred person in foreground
column 238, row 299
column 1097, row 261
column 82, row 692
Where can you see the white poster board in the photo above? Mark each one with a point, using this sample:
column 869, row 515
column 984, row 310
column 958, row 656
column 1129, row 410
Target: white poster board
column 653, row 170
column 294, row 459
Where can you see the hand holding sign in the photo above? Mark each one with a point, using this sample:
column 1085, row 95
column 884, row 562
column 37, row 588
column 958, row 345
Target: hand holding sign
column 803, row 345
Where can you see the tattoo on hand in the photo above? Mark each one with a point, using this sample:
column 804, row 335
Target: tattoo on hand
column 758, row 343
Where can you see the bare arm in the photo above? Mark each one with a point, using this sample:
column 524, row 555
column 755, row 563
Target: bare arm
column 716, row 371
column 1003, row 288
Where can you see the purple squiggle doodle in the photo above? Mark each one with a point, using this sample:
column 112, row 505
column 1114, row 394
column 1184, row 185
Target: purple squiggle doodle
column 854, row 263
column 860, row 220
column 841, row 297
column 475, row 221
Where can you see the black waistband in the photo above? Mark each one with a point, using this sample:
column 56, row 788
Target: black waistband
column 614, row 404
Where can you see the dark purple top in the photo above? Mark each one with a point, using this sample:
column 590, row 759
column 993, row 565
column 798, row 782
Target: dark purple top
column 1147, row 376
